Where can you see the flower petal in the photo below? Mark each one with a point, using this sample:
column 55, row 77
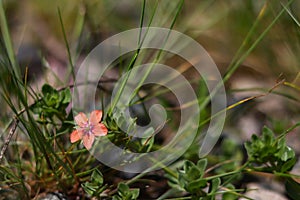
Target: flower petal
column 75, row 136
column 81, row 119
column 95, row 116
column 88, row 141
column 99, row 130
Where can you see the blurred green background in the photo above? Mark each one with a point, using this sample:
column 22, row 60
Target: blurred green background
column 219, row 26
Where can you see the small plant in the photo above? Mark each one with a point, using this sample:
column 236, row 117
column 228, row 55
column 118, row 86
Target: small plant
column 52, row 103
column 192, row 180
column 191, row 177
column 95, row 186
column 265, row 154
column 270, row 154
column 125, row 193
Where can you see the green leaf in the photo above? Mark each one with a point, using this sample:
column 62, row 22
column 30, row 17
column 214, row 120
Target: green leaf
column 288, row 165
column 267, row 135
column 115, row 197
column 67, row 96
column 194, row 186
column 173, row 183
column 182, row 179
column 214, row 186
column 89, row 188
column 47, row 89
column 51, row 99
column 123, row 189
column 135, row 193
column 201, row 164
column 292, row 189
column 194, row 173
column 97, row 177
column 288, row 154
column 281, row 148
column 125, row 193
column 187, row 165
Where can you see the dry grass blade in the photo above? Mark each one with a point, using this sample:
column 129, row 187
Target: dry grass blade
column 8, row 139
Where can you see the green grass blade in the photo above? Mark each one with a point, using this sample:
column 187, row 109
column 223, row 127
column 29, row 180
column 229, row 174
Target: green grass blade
column 7, row 41
column 234, row 66
column 67, row 44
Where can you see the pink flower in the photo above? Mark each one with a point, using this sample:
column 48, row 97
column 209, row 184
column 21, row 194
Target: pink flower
column 88, row 128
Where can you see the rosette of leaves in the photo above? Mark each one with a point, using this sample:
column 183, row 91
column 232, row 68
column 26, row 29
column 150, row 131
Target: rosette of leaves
column 191, row 179
column 52, row 103
column 95, row 186
column 270, row 154
column 126, row 193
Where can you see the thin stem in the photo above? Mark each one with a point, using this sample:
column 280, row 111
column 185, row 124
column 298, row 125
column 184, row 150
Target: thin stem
column 8, row 139
column 240, row 169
